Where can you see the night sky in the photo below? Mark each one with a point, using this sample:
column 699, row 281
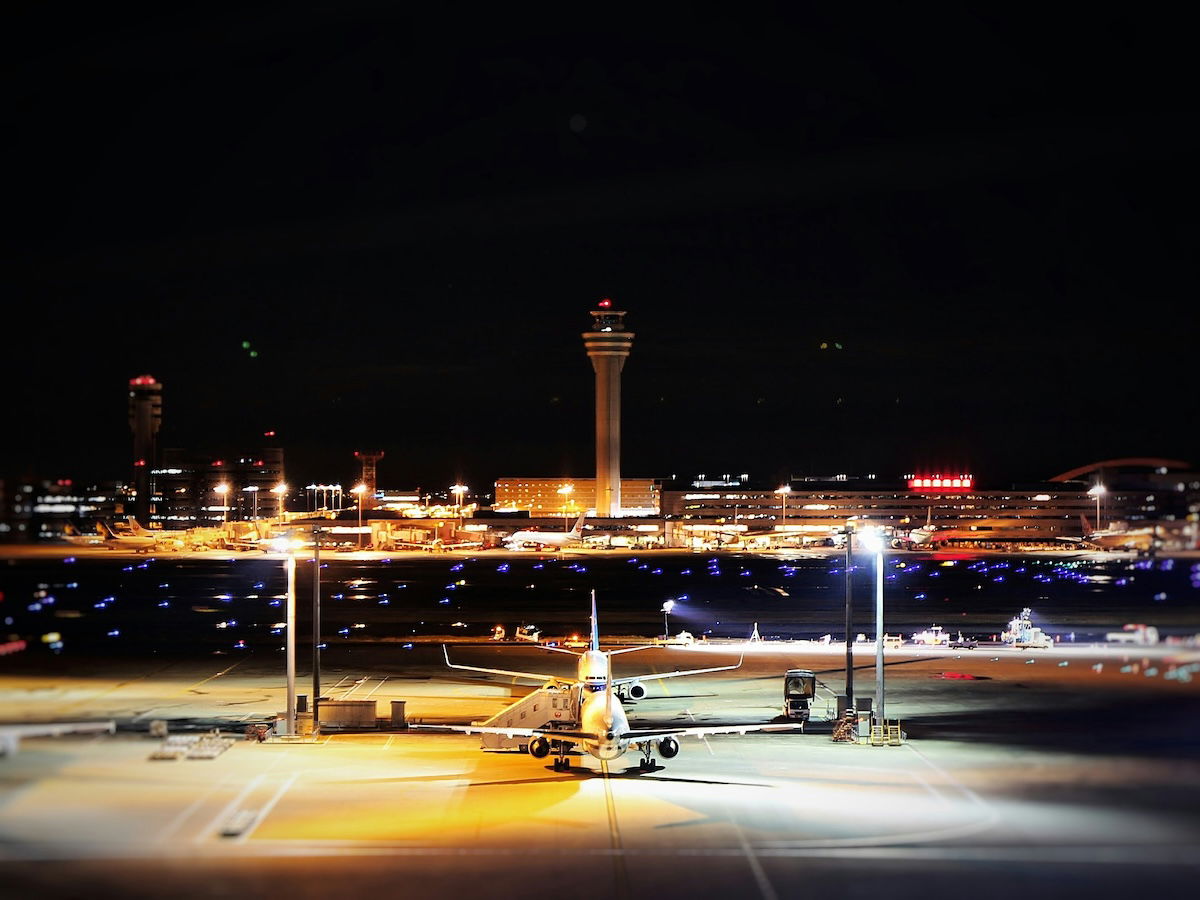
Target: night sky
column 866, row 242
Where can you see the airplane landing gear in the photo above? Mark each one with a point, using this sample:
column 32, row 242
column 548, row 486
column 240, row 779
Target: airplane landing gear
column 562, row 764
column 647, row 763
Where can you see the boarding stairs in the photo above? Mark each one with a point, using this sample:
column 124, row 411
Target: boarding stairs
column 550, row 706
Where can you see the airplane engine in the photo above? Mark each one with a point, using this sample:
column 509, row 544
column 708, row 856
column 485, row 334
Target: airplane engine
column 539, row 748
column 668, row 748
column 637, row 690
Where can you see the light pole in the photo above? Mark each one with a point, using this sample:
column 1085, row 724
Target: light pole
column 253, row 491
column 291, row 643
column 279, row 491
column 666, row 608
column 873, row 541
column 566, row 491
column 223, row 489
column 316, row 630
column 1097, row 492
column 458, row 490
column 849, row 618
column 358, row 490
column 783, row 492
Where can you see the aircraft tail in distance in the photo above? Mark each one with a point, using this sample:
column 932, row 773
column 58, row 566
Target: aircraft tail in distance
column 595, row 624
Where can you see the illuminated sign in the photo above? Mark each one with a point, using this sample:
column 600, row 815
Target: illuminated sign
column 941, row 483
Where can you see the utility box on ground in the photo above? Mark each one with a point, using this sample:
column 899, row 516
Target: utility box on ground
column 348, row 714
column 398, row 718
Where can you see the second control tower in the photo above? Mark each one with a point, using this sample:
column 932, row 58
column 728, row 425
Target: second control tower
column 608, row 344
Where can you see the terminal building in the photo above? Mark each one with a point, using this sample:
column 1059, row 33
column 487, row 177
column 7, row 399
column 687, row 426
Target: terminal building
column 948, row 510
column 569, row 497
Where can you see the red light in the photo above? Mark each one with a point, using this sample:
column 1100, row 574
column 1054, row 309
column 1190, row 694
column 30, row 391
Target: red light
column 268, row 434
column 604, row 303
column 141, row 380
column 941, row 483
column 139, row 462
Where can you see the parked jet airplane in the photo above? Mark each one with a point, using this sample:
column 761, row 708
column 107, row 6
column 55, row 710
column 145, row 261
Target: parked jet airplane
column 163, row 540
column 555, row 539
column 603, row 730
column 1118, row 539
column 116, row 541
column 73, row 535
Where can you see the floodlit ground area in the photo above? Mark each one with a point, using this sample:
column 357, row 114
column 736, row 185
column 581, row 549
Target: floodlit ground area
column 1068, row 772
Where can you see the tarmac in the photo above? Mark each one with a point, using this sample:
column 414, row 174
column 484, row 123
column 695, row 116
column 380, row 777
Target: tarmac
column 1070, row 772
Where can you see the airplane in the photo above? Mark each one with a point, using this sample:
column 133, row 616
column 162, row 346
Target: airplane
column 164, row 540
column 73, row 535
column 1141, row 539
column 554, row 539
column 115, row 541
column 604, row 731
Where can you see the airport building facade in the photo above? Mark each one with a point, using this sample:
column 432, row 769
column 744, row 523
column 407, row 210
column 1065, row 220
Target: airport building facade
column 569, row 497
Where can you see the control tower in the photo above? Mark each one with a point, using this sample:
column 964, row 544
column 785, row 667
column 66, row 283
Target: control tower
column 608, row 345
column 368, row 458
column 145, row 418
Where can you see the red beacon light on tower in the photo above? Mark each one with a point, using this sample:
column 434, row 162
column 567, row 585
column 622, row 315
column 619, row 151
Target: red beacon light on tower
column 605, row 303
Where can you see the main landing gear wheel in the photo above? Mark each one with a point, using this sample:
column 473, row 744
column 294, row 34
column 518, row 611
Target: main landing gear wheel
column 562, row 765
column 647, row 764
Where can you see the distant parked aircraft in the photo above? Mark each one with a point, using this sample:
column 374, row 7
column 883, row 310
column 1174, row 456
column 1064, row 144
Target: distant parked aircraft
column 555, row 539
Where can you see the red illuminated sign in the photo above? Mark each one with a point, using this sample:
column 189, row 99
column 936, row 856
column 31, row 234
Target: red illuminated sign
column 941, row 483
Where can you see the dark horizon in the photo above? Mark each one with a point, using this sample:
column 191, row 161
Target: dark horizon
column 879, row 244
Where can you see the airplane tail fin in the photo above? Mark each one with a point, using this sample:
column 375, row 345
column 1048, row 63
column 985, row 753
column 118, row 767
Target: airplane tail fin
column 105, row 529
column 577, row 531
column 1087, row 526
column 135, row 526
column 595, row 624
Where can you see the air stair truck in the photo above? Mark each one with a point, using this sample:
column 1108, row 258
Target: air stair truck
column 552, row 705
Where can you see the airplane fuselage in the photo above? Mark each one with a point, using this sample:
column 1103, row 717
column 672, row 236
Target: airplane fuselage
column 607, row 722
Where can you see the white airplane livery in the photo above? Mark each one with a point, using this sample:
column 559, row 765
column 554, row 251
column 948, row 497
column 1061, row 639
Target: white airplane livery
column 125, row 541
column 556, row 539
column 603, row 730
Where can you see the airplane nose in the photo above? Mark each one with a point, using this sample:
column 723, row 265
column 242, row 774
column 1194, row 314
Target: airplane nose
column 609, row 736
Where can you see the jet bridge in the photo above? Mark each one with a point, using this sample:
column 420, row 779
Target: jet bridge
column 549, row 706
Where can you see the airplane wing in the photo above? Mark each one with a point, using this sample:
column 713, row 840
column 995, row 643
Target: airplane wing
column 556, row 733
column 653, row 734
column 10, row 735
column 658, row 676
column 557, row 650
column 539, row 676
